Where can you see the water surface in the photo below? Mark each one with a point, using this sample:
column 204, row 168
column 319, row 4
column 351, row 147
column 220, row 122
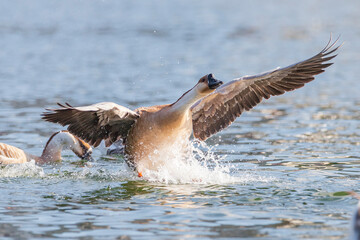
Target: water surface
column 278, row 172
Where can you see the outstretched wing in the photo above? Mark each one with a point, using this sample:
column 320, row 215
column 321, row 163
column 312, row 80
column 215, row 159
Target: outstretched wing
column 94, row 123
column 220, row 108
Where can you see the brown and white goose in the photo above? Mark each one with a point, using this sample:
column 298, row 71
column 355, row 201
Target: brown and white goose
column 52, row 151
column 204, row 110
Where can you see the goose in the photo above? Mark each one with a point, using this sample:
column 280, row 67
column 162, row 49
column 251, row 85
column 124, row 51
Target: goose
column 51, row 153
column 205, row 109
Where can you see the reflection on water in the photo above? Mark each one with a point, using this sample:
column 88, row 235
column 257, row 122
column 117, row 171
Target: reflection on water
column 279, row 172
column 126, row 191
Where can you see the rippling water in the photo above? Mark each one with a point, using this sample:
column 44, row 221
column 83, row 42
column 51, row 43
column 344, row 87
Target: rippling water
column 279, row 172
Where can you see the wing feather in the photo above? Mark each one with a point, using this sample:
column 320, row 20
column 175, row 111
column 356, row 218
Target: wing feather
column 220, row 108
column 94, row 123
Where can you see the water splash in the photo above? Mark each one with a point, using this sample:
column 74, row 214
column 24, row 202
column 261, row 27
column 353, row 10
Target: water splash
column 200, row 165
column 28, row 169
column 96, row 172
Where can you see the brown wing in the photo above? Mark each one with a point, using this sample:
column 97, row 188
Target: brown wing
column 94, row 123
column 220, row 108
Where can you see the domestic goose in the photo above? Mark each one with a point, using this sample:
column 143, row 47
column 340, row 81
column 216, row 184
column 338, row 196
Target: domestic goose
column 205, row 109
column 51, row 153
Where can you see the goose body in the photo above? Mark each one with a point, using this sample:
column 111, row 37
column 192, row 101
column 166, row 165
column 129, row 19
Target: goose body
column 10, row 154
column 171, row 124
column 51, row 153
column 204, row 110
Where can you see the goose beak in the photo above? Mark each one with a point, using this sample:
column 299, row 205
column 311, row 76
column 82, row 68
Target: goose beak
column 87, row 156
column 213, row 83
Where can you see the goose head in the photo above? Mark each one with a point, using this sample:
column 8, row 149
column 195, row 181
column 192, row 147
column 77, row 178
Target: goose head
column 208, row 84
column 82, row 149
column 65, row 140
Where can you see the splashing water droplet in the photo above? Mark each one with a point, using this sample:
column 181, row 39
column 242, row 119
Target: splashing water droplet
column 199, row 164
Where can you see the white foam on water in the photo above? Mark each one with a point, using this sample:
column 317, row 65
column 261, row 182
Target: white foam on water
column 199, row 165
column 101, row 174
column 28, row 169
column 93, row 171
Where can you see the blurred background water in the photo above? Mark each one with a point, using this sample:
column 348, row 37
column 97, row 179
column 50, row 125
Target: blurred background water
column 283, row 166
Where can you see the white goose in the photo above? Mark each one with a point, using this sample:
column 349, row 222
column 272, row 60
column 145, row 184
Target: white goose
column 52, row 151
column 204, row 110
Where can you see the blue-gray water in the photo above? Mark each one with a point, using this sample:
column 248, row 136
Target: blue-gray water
column 283, row 166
